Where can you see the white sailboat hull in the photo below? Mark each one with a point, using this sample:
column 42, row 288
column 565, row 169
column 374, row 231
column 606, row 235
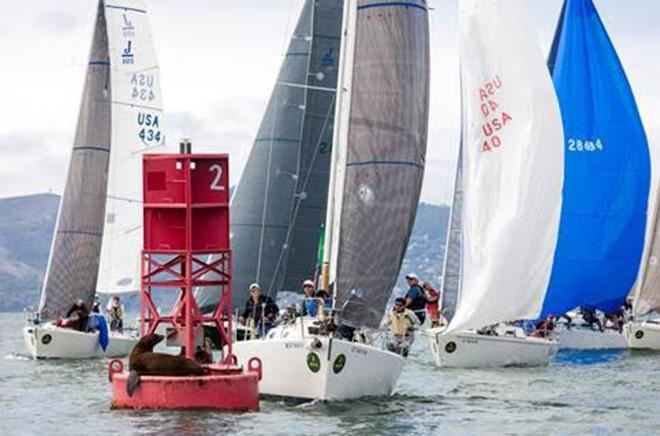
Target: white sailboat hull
column 467, row 349
column 643, row 334
column 586, row 338
column 304, row 366
column 47, row 341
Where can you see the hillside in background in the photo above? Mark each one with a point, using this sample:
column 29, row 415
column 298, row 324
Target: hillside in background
column 26, row 227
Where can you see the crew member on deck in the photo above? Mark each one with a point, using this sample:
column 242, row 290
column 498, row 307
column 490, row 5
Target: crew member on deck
column 310, row 302
column 433, row 298
column 260, row 309
column 402, row 322
column 116, row 314
column 77, row 317
column 415, row 299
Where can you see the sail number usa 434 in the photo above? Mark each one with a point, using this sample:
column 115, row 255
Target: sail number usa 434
column 581, row 145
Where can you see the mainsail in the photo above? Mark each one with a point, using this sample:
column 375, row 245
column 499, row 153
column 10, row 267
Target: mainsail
column 381, row 147
column 74, row 258
column 279, row 204
column 512, row 167
column 136, row 128
column 98, row 231
column 607, row 172
column 647, row 295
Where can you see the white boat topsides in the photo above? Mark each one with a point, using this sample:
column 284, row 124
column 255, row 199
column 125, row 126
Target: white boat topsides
column 502, row 346
column 299, row 361
column 47, row 341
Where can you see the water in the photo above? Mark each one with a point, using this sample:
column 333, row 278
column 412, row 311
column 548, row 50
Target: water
column 581, row 392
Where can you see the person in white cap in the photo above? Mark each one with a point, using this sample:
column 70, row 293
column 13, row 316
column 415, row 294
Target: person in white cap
column 415, row 299
column 261, row 309
column 310, row 302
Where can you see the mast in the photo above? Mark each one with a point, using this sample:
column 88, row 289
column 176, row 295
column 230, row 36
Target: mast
column 340, row 146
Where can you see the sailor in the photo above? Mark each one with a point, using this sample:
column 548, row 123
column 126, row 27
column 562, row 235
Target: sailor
column 116, row 313
column 324, row 302
column 432, row 303
column 77, row 317
column 96, row 306
column 261, row 309
column 402, row 322
column 544, row 327
column 310, row 302
column 415, row 299
column 590, row 317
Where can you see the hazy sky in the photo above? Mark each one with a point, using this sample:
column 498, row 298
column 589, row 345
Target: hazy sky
column 219, row 60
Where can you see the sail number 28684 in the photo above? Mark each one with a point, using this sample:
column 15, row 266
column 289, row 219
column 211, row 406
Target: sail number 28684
column 579, row 145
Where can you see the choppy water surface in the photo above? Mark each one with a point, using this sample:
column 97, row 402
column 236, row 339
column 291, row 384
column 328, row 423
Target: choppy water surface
column 601, row 392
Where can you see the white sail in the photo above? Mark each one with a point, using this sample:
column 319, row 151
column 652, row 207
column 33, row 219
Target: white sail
column 513, row 166
column 136, row 128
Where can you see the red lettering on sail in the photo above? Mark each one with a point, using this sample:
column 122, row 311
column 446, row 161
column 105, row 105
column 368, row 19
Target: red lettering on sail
column 495, row 118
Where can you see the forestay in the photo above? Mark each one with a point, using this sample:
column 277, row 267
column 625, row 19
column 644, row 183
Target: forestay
column 512, row 169
column 607, row 173
column 384, row 146
column 74, row 258
column 137, row 123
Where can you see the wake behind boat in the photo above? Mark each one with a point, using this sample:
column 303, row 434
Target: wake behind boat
column 96, row 242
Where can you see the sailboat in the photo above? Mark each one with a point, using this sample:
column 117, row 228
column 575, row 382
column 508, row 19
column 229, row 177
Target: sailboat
column 97, row 240
column 643, row 331
column 607, row 178
column 369, row 191
column 507, row 198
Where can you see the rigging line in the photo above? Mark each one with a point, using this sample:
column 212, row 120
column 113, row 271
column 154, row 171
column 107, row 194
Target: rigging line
column 300, row 139
column 307, row 177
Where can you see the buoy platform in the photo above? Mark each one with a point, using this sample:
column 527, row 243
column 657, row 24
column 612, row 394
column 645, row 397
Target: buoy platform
column 225, row 388
column 186, row 247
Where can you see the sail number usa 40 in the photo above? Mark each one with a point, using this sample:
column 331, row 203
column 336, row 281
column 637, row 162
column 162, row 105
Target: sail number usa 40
column 495, row 118
column 581, row 145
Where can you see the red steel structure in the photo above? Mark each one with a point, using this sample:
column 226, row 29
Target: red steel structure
column 186, row 243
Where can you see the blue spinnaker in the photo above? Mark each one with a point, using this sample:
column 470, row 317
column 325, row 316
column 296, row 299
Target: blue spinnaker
column 607, row 168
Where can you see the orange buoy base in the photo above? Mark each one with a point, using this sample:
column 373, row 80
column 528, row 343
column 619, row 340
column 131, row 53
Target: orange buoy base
column 226, row 388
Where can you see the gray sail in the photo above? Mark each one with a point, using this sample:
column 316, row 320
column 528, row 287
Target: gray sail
column 648, row 297
column 279, row 202
column 451, row 275
column 74, row 259
column 386, row 155
column 299, row 261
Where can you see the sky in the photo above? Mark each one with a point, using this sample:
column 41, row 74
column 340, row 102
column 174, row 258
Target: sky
column 219, row 60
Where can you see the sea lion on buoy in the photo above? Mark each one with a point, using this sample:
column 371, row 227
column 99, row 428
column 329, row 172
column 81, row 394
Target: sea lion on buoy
column 144, row 361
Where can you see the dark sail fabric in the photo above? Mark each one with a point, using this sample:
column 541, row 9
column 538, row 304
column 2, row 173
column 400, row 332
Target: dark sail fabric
column 74, row 258
column 386, row 155
column 279, row 204
column 451, row 275
column 607, row 169
column 299, row 261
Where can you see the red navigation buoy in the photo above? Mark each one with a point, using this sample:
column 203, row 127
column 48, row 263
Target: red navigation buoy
column 186, row 246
